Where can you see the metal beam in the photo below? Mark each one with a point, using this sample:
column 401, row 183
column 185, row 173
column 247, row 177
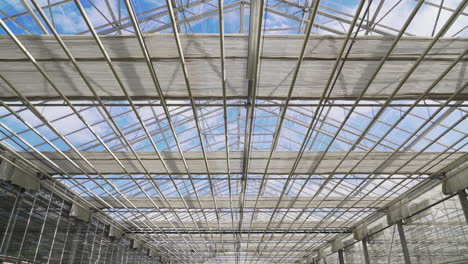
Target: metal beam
column 202, row 60
column 216, row 231
column 264, row 202
column 227, row 226
column 281, row 162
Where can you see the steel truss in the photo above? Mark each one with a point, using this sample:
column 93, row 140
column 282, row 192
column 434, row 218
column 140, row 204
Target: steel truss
column 236, row 178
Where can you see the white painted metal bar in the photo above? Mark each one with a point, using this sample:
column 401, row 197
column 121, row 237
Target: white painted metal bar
column 225, row 114
column 283, row 112
column 45, row 158
column 300, row 220
column 440, row 33
column 141, row 122
column 154, row 78
column 26, row 229
column 317, row 63
column 324, row 96
column 429, row 162
column 46, row 215
column 256, row 23
column 34, row 17
column 59, row 217
column 192, row 102
column 281, row 162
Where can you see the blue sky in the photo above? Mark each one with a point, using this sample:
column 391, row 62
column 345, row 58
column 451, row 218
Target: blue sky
column 68, row 20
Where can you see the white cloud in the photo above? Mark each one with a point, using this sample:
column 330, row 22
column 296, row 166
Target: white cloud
column 423, row 22
column 68, row 19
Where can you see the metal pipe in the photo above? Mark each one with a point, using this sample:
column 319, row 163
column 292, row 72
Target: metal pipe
column 194, row 111
column 427, row 49
column 324, row 95
column 341, row 256
column 34, row 17
column 225, row 115
column 49, row 80
column 404, row 246
column 155, row 80
column 365, row 251
column 463, row 203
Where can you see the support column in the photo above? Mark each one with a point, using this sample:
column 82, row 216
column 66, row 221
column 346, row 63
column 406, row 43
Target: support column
column 366, row 253
column 93, row 243
column 458, row 183
column 404, row 246
column 98, row 260
column 341, row 256
column 59, row 215
column 79, row 226
column 463, row 203
column 324, row 258
column 337, row 246
column 361, row 233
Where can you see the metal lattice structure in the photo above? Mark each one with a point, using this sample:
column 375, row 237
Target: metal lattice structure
column 234, row 131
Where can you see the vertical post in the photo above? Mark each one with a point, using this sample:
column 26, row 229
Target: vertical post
column 85, row 242
column 11, row 223
column 404, row 246
column 27, row 224
column 366, row 253
column 59, row 215
column 43, row 227
column 100, row 245
column 121, row 247
column 65, row 242
column 127, row 249
column 79, row 227
column 115, row 258
column 463, row 203
column 341, row 256
column 94, row 242
column 106, row 251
